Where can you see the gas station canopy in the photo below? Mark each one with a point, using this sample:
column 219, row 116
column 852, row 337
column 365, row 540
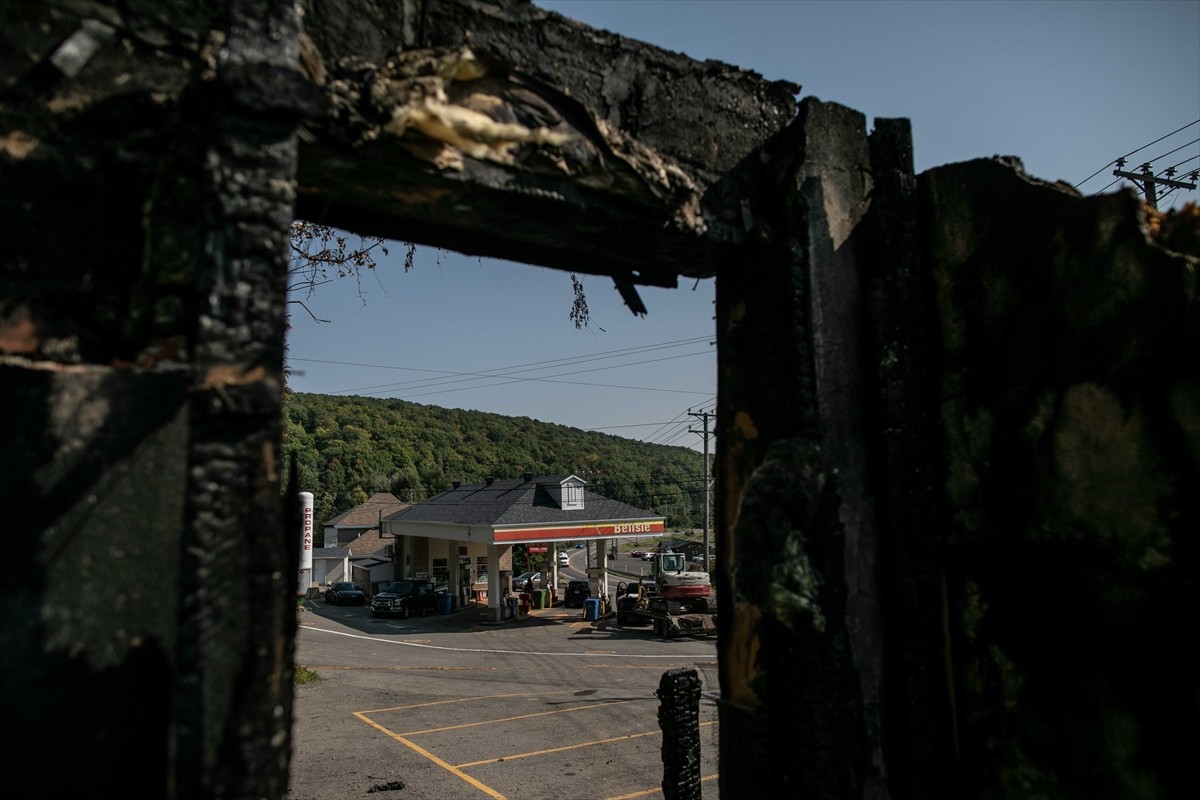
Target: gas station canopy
column 552, row 508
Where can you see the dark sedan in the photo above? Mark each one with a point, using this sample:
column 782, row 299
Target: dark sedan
column 575, row 593
column 345, row 593
column 406, row 598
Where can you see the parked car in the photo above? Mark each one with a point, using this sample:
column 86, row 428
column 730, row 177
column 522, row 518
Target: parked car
column 404, row 598
column 575, row 593
column 698, row 558
column 344, row 593
column 521, row 581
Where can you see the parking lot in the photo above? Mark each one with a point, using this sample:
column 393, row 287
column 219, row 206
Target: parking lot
column 445, row 706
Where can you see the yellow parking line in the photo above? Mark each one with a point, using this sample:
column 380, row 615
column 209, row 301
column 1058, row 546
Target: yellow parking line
column 473, row 699
column 655, row 791
column 489, row 791
column 457, row 770
column 587, row 707
column 594, row 743
column 560, row 749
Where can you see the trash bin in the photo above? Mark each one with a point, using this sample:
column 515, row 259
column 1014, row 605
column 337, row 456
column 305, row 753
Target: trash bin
column 591, row 609
column 445, row 602
column 539, row 598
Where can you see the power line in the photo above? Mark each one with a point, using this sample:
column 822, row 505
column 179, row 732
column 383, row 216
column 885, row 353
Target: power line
column 502, row 371
column 1148, row 182
column 550, row 379
column 1176, row 150
column 678, row 431
column 1165, row 172
column 680, row 417
column 1131, row 152
column 635, row 425
column 517, row 367
column 504, row 379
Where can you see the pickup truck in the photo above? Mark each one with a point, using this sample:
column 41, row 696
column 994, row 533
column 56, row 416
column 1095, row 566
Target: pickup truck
column 404, row 598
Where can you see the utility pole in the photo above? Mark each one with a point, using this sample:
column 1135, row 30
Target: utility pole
column 1149, row 184
column 704, row 415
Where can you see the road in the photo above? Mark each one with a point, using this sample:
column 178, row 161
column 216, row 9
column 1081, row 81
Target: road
column 551, row 706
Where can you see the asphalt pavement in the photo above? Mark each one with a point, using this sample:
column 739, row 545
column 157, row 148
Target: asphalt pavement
column 548, row 706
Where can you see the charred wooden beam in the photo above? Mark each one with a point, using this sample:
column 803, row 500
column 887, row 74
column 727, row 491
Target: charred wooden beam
column 503, row 129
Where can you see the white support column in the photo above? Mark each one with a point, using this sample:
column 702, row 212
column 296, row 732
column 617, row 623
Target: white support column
column 495, row 591
column 554, row 571
column 403, row 557
column 602, row 562
column 455, row 572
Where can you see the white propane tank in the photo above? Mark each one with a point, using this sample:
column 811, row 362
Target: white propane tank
column 306, row 543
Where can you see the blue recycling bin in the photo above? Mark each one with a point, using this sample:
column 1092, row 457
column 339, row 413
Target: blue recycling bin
column 445, row 602
column 591, row 609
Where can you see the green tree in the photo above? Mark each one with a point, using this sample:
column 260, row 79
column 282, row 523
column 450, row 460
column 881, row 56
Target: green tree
column 346, row 446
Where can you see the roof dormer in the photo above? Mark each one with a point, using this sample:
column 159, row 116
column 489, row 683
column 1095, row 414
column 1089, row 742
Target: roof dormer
column 568, row 493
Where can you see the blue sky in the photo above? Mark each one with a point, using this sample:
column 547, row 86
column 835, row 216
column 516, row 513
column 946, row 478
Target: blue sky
column 1066, row 86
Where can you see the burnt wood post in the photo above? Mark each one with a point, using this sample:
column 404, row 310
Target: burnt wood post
column 831, row 659
column 911, row 515
column 148, row 169
column 679, row 719
column 799, row 671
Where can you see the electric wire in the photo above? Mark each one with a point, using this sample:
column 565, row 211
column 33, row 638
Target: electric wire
column 680, row 417
column 1160, row 174
column 1176, row 150
column 1132, row 152
column 677, row 428
column 514, row 368
column 550, row 379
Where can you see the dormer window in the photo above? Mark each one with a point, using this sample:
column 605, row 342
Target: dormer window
column 572, row 496
column 567, row 492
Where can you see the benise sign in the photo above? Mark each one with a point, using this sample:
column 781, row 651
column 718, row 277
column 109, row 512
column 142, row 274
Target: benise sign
column 585, row 531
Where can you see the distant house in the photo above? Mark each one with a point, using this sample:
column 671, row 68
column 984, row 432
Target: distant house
column 353, row 549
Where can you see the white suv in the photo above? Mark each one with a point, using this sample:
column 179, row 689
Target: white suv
column 563, row 561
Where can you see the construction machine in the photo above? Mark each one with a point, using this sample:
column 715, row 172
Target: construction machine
column 674, row 600
column 673, row 578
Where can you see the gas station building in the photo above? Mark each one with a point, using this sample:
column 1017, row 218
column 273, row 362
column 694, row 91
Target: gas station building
column 464, row 537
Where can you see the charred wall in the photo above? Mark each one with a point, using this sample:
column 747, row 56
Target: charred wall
column 1070, row 413
column 958, row 427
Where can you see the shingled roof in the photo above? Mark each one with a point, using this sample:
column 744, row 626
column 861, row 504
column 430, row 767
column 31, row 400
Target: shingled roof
column 367, row 514
column 515, row 501
column 369, row 543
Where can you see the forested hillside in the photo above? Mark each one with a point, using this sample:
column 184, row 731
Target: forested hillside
column 350, row 447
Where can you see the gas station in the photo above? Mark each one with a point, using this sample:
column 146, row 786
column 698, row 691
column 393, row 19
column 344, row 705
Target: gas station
column 466, row 534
